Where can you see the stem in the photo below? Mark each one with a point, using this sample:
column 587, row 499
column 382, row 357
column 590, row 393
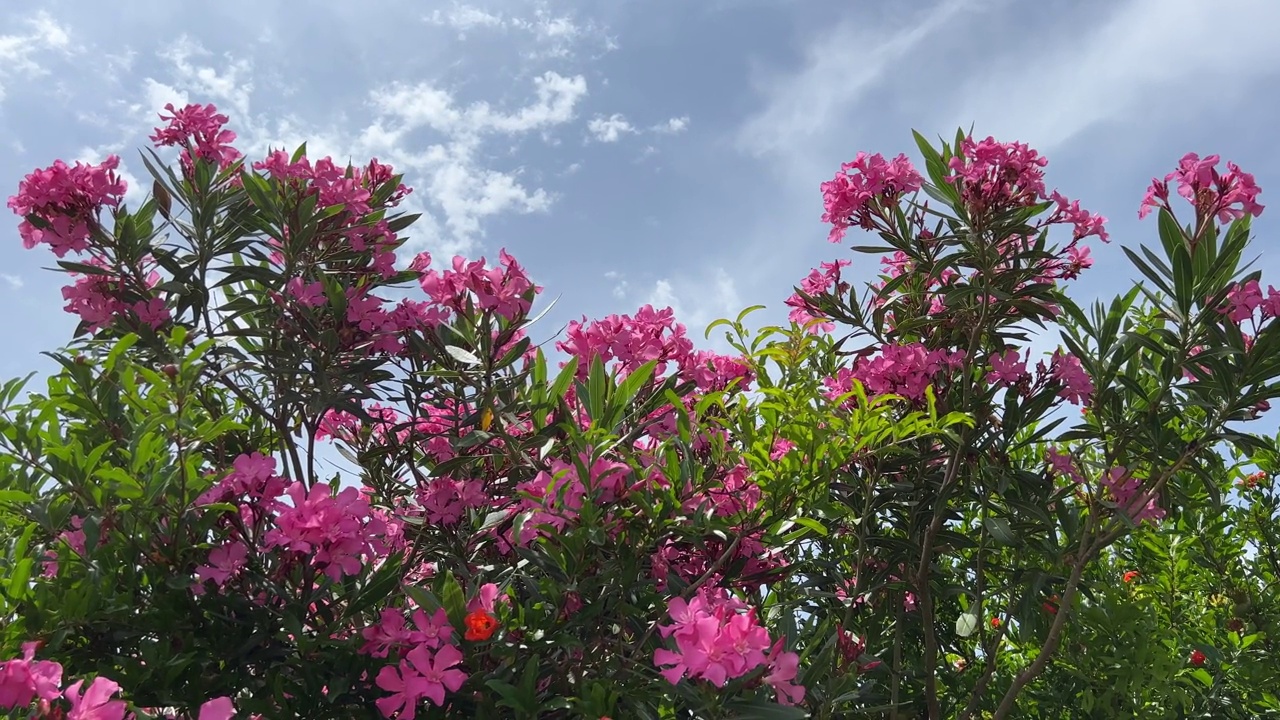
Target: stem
column 896, row 680
column 1050, row 644
column 286, row 441
column 1088, row 551
column 689, row 591
column 926, row 553
column 180, row 508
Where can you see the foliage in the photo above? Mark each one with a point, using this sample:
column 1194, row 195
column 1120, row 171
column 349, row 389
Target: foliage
column 881, row 510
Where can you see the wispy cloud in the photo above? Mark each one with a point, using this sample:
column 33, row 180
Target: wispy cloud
column 465, row 18
column 839, row 67
column 555, row 34
column 19, row 50
column 13, row 281
column 1141, row 57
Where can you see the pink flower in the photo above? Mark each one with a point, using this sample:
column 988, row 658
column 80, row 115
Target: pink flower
column 781, row 447
column 24, row 679
column 737, row 492
column 253, row 476
column 308, row 295
column 1227, row 197
column 713, row 372
column 97, row 296
column 446, row 500
column 389, row 632
column 714, row 640
column 198, row 128
column 1007, row 368
column 484, row 600
column 419, row 675
column 904, row 370
column 1124, row 488
column 68, row 199
column 96, row 703
column 1271, row 305
column 782, row 671
column 1242, row 301
column 1077, row 386
column 629, row 341
column 819, row 282
column 994, row 176
column 434, row 631
column 505, row 290
column 695, row 641
column 745, row 642
column 849, row 199
column 224, row 561
column 217, row 709
column 151, row 313
column 1085, row 222
column 1062, row 464
column 339, row 532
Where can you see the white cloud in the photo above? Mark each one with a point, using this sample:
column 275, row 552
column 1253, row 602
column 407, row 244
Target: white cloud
column 609, row 129
column 424, row 105
column 13, row 281
column 699, row 301
column 134, row 194
column 18, row 50
column 620, row 284
column 672, row 126
column 456, row 178
column 230, row 88
column 421, row 129
column 1125, row 69
column 157, row 94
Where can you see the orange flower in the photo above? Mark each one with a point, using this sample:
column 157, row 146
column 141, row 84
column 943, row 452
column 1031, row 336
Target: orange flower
column 480, row 625
column 995, row 622
column 1130, row 576
column 1249, row 482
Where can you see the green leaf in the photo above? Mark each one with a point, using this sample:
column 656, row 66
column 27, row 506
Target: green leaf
column 1001, row 530
column 14, row 496
column 453, row 600
column 630, row 386
column 120, row 349
column 764, row 710
column 18, row 579
column 811, row 524
column 561, row 384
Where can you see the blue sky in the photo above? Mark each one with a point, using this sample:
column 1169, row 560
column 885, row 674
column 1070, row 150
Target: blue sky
column 632, row 152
